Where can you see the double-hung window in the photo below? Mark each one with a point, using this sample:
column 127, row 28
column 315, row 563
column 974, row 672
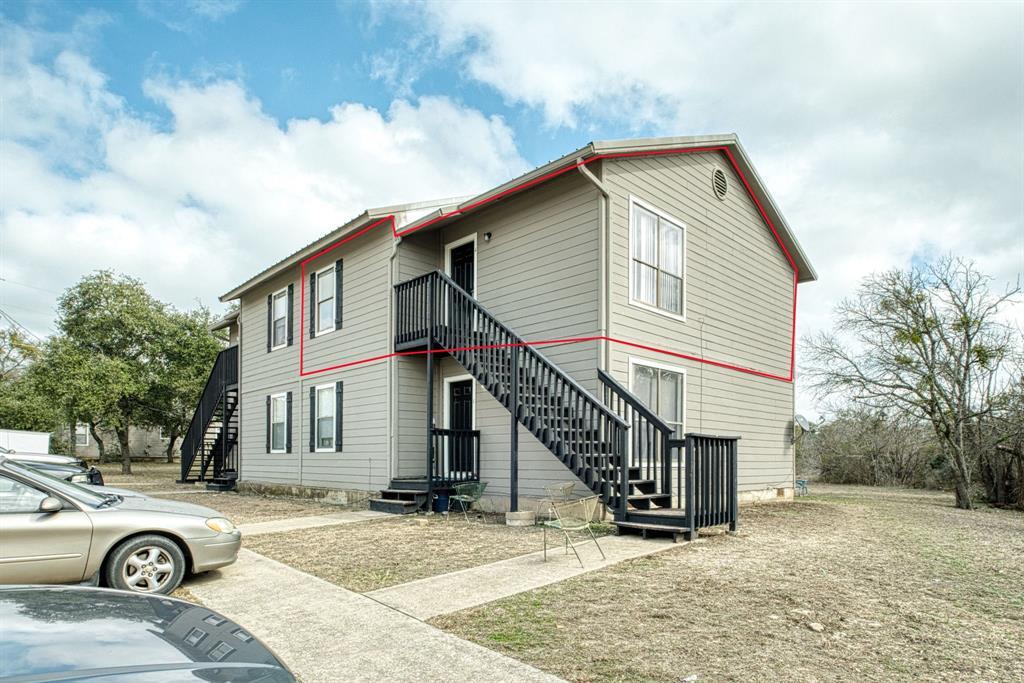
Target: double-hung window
column 278, row 423
column 325, row 300
column 662, row 389
column 81, row 435
column 656, row 260
column 279, row 322
column 325, row 417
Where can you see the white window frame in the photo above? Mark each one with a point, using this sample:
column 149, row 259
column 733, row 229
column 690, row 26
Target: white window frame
column 334, row 296
column 84, row 432
column 284, row 421
column 273, row 300
column 636, row 201
column 160, row 434
column 331, row 391
column 634, row 361
column 476, row 260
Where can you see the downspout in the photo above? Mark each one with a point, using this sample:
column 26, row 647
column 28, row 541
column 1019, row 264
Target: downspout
column 604, row 230
column 392, row 398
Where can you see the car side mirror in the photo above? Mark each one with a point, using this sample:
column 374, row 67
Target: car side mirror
column 50, row 505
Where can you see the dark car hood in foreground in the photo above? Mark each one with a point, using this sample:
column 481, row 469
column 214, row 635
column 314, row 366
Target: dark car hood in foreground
column 89, row 634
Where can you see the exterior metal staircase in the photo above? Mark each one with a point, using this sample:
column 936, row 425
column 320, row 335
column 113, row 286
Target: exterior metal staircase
column 617, row 447
column 209, row 448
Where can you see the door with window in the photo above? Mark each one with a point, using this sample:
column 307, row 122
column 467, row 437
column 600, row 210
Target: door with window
column 462, row 270
column 460, row 422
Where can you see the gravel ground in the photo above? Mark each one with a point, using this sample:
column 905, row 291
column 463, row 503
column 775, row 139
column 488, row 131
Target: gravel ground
column 367, row 556
column 849, row 584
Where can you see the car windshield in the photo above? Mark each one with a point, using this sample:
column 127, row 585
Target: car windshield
column 79, row 493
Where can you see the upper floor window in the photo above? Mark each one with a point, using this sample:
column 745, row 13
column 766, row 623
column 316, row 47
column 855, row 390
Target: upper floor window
column 279, row 319
column 657, row 258
column 662, row 389
column 325, row 300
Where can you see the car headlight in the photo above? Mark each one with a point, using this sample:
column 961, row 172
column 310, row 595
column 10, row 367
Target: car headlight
column 220, row 525
column 81, row 478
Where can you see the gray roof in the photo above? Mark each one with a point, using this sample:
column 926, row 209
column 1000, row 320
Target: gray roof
column 442, row 212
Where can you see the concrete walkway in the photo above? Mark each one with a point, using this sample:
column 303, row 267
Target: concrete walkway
column 309, row 522
column 435, row 595
column 326, row 633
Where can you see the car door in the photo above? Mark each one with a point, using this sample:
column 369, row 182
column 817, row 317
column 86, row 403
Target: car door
column 38, row 547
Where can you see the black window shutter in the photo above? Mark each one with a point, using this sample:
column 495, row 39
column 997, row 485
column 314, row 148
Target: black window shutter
column 312, row 419
column 291, row 304
column 288, row 425
column 270, row 321
column 268, row 424
column 339, row 394
column 337, row 294
column 312, row 305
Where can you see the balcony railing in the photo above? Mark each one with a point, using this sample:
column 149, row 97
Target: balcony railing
column 456, row 455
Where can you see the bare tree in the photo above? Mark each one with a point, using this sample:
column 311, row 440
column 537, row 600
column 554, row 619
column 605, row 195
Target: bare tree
column 928, row 341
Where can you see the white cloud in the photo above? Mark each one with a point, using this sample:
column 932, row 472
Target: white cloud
column 884, row 131
column 187, row 16
column 198, row 203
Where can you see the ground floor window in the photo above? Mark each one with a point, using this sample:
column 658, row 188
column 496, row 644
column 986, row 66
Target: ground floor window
column 81, row 435
column 662, row 389
column 325, row 418
column 278, row 423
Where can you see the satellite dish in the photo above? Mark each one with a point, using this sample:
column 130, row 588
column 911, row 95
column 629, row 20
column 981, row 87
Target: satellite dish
column 802, row 422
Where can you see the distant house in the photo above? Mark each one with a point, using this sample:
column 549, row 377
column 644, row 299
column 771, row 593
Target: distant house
column 612, row 301
column 143, row 442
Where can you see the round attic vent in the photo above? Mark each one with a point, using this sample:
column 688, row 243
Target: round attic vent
column 719, row 183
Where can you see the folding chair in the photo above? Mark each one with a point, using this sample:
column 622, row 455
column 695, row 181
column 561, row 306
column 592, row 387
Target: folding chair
column 555, row 494
column 465, row 495
column 572, row 516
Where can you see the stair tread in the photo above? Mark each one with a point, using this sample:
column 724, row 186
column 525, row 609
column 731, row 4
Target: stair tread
column 418, row 492
column 660, row 512
column 653, row 527
column 395, row 501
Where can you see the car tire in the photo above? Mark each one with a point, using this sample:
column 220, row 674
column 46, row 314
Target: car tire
column 146, row 564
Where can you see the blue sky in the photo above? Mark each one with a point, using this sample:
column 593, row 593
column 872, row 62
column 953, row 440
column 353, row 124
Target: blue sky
column 145, row 136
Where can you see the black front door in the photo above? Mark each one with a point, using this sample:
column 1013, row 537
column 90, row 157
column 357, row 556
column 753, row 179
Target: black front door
column 463, row 266
column 460, row 421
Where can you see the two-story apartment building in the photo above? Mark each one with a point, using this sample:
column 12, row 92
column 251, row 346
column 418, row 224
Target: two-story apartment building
column 606, row 304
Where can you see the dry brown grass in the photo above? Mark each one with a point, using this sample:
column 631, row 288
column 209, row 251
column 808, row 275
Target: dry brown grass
column 903, row 586
column 371, row 555
column 244, row 508
column 145, row 476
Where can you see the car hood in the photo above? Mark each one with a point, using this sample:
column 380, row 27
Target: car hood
column 175, row 507
column 57, row 633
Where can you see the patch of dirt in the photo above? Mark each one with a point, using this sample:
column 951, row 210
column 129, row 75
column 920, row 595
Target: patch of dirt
column 370, row 555
column 244, row 508
column 850, row 583
column 145, row 476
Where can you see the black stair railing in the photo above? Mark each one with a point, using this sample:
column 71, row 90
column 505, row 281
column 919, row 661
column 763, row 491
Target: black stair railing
column 223, row 375
column 570, row 421
column 456, row 456
column 649, row 437
column 709, row 479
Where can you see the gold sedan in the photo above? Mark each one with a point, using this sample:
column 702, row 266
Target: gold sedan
column 53, row 531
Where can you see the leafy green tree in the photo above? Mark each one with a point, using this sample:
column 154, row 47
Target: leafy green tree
column 927, row 341
column 113, row 335
column 22, row 406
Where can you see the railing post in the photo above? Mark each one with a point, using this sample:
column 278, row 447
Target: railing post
column 430, row 393
column 623, row 457
column 513, row 505
column 734, row 488
column 688, row 458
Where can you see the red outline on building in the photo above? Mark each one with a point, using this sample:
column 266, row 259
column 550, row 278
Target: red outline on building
column 550, row 342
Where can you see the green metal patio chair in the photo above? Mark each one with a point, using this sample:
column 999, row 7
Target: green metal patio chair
column 465, row 495
column 573, row 516
column 555, row 494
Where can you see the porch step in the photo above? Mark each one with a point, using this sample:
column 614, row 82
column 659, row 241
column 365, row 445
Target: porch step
column 672, row 517
column 646, row 530
column 394, row 506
